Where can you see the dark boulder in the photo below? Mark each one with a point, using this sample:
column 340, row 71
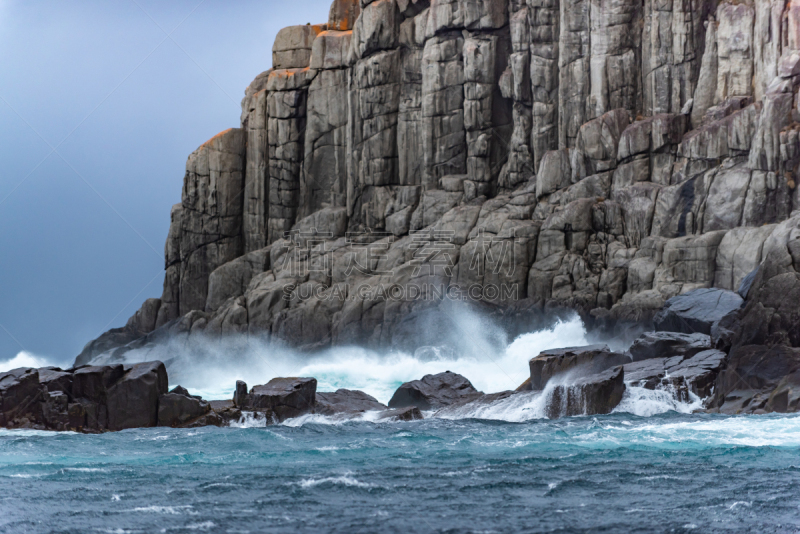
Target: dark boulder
column 345, row 401
column 760, row 378
column 588, row 360
column 592, row 395
column 55, row 410
column 133, row 400
column 409, row 413
column 668, row 344
column 240, row 395
column 433, row 392
column 697, row 311
column 226, row 411
column 20, row 397
column 92, row 383
column 178, row 408
column 283, row 398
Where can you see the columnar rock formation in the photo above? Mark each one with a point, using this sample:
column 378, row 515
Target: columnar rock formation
column 599, row 155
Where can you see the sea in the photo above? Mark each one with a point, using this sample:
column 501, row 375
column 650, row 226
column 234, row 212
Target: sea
column 653, row 465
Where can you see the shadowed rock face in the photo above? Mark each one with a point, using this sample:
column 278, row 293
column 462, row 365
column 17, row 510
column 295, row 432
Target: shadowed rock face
column 585, row 360
column 96, row 398
column 433, row 392
column 604, row 157
column 591, row 395
column 282, row 398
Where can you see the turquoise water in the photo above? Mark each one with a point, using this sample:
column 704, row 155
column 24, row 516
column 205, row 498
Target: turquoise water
column 620, row 473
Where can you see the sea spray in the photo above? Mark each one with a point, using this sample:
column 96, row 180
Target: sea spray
column 475, row 347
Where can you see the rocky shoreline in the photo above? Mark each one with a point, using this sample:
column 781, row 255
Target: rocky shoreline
column 528, row 157
column 699, row 351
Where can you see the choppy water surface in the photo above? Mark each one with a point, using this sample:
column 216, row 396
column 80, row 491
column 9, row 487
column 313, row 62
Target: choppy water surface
column 620, row 473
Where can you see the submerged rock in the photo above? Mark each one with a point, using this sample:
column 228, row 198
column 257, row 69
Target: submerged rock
column 433, row 392
column 409, row 413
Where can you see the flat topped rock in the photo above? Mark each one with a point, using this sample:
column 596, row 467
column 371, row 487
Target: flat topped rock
column 283, row 397
column 346, row 401
column 433, row 392
column 697, row 311
column 587, row 360
column 668, row 344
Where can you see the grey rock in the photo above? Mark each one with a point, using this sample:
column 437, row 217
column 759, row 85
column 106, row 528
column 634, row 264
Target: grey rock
column 583, row 360
column 668, row 344
column 697, row 311
column 283, row 398
column 592, row 395
column 433, row 392
column 134, row 399
column 20, row 396
column 346, row 401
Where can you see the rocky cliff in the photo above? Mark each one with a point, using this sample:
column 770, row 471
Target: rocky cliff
column 598, row 155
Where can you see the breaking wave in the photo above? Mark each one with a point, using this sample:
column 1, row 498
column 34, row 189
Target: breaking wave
column 474, row 346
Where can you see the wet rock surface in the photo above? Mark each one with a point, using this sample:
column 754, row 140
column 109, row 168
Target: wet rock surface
column 581, row 360
column 282, row 398
column 433, row 391
column 589, row 395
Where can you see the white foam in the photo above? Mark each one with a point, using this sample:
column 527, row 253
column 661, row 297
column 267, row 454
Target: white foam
column 344, row 480
column 475, row 348
column 23, row 359
column 647, row 403
column 168, row 510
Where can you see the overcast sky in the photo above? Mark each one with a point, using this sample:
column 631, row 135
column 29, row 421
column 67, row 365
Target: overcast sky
column 101, row 102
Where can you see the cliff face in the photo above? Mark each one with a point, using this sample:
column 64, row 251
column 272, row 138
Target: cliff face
column 599, row 155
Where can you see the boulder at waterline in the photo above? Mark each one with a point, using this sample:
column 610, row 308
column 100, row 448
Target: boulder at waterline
column 591, row 395
column 133, row 399
column 697, row 311
column 471, row 406
column 587, row 360
column 19, row 395
column 433, row 392
column 760, row 378
column 282, row 398
column 100, row 399
column 345, row 401
column 178, row 408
